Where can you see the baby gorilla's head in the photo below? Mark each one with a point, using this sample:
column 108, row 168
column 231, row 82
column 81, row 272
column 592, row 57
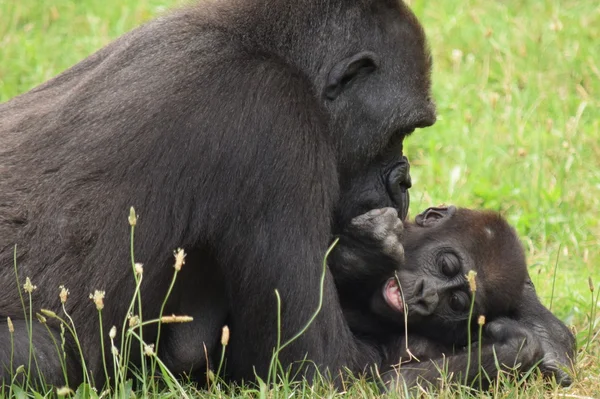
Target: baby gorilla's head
column 430, row 290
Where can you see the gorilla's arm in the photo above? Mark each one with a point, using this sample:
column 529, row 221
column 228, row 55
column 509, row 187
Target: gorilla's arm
column 506, row 343
column 278, row 244
column 557, row 342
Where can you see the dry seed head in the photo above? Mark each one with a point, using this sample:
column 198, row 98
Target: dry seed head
column 179, row 258
column 28, row 287
column 225, row 336
column 556, row 25
column 468, row 117
column 591, row 283
column 494, row 97
column 481, row 320
column 139, row 269
column 41, row 318
column 456, row 56
column 11, row 327
column 210, row 375
column 64, row 294
column 133, row 321
column 471, row 279
column 64, row 391
column 149, row 350
column 132, row 217
column 112, row 333
column 176, row 319
column 98, row 298
column 49, row 313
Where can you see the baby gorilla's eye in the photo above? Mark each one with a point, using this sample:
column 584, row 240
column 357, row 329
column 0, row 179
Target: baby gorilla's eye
column 459, row 301
column 449, row 264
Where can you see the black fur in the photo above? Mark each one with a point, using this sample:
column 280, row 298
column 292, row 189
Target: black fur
column 230, row 127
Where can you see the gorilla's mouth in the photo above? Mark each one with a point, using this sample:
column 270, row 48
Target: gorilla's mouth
column 399, row 135
column 398, row 183
column 392, row 295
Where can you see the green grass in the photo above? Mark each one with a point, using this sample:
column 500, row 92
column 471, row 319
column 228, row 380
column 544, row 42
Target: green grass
column 517, row 85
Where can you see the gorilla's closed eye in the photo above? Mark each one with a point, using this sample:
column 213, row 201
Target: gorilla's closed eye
column 449, row 264
column 459, row 301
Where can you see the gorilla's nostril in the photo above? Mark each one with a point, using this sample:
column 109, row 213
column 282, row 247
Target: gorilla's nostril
column 419, row 287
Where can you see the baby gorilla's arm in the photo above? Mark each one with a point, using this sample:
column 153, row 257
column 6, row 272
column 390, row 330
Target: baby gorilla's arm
column 506, row 345
column 557, row 341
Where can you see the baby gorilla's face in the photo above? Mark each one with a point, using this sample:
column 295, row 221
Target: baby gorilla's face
column 430, row 290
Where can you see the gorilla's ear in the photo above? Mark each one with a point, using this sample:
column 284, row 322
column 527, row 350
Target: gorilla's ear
column 346, row 70
column 434, row 215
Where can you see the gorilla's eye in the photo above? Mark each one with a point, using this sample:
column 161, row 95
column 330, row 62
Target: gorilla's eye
column 449, row 264
column 459, row 301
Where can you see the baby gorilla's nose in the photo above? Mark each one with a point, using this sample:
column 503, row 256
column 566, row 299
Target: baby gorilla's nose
column 425, row 298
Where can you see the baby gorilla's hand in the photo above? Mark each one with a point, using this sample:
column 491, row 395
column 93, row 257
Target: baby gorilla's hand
column 515, row 345
column 381, row 230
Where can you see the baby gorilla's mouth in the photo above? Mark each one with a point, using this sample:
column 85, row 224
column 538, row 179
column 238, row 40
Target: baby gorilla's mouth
column 392, row 296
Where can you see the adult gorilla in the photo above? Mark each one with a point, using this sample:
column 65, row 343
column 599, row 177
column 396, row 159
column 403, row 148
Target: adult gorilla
column 230, row 127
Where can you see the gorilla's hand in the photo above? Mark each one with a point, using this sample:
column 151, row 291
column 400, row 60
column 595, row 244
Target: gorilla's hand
column 514, row 344
column 557, row 341
column 506, row 343
column 380, row 230
column 369, row 251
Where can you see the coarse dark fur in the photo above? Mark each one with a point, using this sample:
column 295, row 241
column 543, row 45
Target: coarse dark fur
column 230, row 128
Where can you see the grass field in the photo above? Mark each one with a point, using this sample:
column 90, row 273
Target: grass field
column 517, row 85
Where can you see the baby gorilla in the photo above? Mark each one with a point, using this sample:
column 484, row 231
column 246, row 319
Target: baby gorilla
column 391, row 274
column 388, row 272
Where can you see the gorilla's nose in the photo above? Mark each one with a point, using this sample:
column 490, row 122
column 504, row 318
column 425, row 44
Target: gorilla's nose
column 426, row 115
column 426, row 298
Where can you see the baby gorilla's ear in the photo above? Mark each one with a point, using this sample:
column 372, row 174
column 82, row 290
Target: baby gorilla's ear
column 434, row 215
